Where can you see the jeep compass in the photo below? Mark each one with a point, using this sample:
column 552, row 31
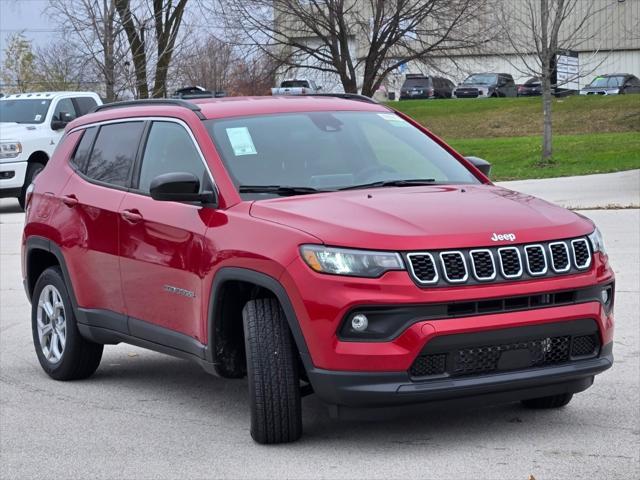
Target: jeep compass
column 321, row 245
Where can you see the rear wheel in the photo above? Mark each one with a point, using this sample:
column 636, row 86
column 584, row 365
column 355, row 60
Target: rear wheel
column 272, row 369
column 62, row 352
column 554, row 401
column 33, row 170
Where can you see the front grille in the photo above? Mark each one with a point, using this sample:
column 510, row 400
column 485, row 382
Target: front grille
column 559, row 256
column 430, row 365
column 584, row 345
column 423, row 267
column 519, row 354
column 510, row 262
column 483, row 265
column 536, row 260
column 454, row 266
column 500, row 263
column 581, row 253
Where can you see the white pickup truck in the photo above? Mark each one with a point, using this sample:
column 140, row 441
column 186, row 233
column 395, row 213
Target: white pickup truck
column 31, row 124
column 296, row 87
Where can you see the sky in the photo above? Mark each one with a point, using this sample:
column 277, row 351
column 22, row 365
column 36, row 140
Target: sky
column 27, row 16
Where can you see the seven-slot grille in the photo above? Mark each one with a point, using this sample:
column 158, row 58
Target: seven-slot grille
column 500, row 263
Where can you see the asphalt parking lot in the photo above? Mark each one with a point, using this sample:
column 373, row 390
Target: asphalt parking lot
column 145, row 415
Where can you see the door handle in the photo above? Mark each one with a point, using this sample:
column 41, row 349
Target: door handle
column 70, row 200
column 131, row 216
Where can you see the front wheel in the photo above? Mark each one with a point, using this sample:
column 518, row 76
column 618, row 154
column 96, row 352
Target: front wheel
column 62, row 352
column 272, row 369
column 553, row 401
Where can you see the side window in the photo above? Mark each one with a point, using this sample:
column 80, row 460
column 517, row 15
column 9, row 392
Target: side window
column 114, row 152
column 81, row 155
column 65, row 111
column 85, row 105
column 169, row 149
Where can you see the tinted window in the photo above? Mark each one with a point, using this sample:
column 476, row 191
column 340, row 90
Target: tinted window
column 65, row 111
column 481, row 79
column 85, row 105
column 421, row 82
column 114, row 152
column 294, row 84
column 23, row 111
column 329, row 150
column 169, row 149
column 79, row 159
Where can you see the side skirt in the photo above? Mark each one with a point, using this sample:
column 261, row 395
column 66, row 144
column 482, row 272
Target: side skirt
column 104, row 326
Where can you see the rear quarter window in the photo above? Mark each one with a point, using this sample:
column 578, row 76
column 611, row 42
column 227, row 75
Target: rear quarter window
column 114, row 152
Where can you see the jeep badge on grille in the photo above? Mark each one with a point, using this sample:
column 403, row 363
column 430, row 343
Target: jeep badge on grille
column 497, row 237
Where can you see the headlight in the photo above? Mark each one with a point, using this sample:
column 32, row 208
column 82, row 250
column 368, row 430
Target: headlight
column 597, row 242
column 356, row 263
column 10, row 149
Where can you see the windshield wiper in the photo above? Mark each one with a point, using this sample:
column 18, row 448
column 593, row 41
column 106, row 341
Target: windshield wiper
column 393, row 183
column 282, row 190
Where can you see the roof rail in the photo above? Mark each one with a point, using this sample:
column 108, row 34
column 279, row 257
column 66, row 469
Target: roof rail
column 346, row 96
column 153, row 101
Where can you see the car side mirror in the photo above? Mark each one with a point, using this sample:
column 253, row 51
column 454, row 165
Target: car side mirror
column 58, row 124
column 481, row 164
column 180, row 187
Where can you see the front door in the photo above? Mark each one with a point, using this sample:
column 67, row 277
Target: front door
column 161, row 243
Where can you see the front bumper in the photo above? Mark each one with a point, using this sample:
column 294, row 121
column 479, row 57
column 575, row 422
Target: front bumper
column 357, row 389
column 12, row 177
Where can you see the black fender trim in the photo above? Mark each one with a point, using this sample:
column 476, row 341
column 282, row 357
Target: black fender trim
column 41, row 243
column 226, row 274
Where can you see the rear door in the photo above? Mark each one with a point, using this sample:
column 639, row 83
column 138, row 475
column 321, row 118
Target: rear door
column 103, row 164
column 162, row 242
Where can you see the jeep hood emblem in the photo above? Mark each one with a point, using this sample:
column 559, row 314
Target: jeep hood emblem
column 497, row 237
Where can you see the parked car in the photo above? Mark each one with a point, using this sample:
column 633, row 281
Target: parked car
column 612, row 84
column 296, row 87
column 485, row 85
column 425, row 86
column 323, row 245
column 197, row 92
column 31, row 124
column 530, row 88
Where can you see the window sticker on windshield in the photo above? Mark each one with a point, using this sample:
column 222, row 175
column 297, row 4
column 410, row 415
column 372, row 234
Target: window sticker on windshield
column 241, row 141
column 37, row 118
column 394, row 120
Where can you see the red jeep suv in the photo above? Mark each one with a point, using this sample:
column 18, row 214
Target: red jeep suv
column 319, row 244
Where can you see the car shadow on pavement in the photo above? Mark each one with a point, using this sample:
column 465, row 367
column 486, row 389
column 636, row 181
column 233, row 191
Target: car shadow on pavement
column 183, row 389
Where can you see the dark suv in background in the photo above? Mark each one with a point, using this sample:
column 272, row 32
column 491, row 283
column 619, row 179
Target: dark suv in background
column 424, row 86
column 485, row 85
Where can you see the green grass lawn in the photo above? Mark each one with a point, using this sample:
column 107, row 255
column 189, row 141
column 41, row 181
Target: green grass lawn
column 515, row 158
column 591, row 134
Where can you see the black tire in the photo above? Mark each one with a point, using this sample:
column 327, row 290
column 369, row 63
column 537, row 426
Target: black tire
column 272, row 370
column 33, row 170
column 80, row 358
column 554, row 401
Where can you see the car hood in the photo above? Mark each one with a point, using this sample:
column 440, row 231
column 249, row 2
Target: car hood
column 414, row 218
column 16, row 131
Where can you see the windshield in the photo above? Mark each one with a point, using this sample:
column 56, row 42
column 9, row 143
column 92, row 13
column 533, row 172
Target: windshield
column 416, row 82
column 23, row 111
column 330, row 151
column 294, row 84
column 481, row 79
column 611, row 82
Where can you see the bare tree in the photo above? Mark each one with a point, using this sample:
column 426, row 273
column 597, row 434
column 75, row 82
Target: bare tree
column 18, row 73
column 93, row 28
column 536, row 31
column 59, row 68
column 210, row 64
column 358, row 39
column 164, row 18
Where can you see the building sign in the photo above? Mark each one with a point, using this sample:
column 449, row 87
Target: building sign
column 567, row 70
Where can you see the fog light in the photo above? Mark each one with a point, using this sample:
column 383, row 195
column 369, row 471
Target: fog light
column 359, row 322
column 606, row 295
